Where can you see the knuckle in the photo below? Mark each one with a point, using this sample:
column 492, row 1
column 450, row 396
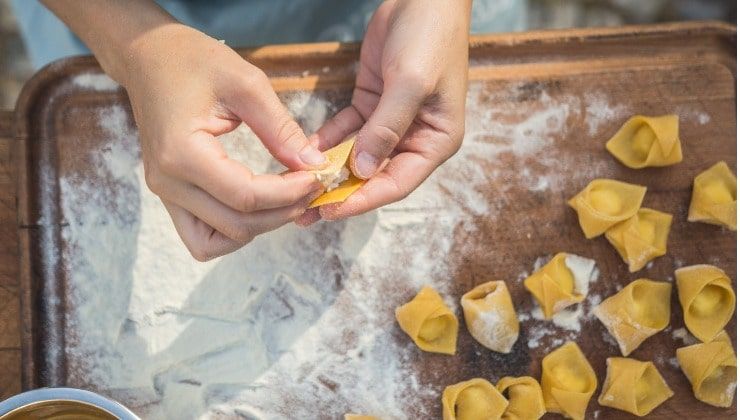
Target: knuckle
column 199, row 253
column 415, row 79
column 167, row 162
column 386, row 137
column 246, row 201
column 242, row 233
column 289, row 132
column 154, row 181
column 254, row 78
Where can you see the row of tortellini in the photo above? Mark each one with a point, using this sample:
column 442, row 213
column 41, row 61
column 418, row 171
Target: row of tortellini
column 568, row 382
column 653, row 141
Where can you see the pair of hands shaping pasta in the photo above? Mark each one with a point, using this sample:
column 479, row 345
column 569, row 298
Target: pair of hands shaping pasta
column 187, row 88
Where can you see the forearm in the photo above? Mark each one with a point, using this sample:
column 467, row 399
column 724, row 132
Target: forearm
column 110, row 28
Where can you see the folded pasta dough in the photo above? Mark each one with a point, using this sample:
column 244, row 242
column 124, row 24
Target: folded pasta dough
column 712, row 370
column 472, row 400
column 640, row 310
column 337, row 178
column 714, row 199
column 359, row 417
column 647, row 141
column 641, row 238
column 490, row 316
column 561, row 282
column 429, row 322
column 568, row 381
column 604, row 203
column 633, row 386
column 525, row 398
column 707, row 299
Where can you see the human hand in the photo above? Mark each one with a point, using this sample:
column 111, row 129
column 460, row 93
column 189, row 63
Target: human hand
column 187, row 88
column 408, row 102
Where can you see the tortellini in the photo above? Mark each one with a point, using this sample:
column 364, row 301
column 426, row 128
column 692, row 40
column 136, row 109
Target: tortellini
column 641, row 238
column 604, row 203
column 473, row 400
column 561, row 282
column 640, row 310
column 633, row 386
column 714, row 199
column 707, row 299
column 337, row 178
column 647, row 141
column 712, row 370
column 568, row 381
column 490, row 316
column 525, row 398
column 429, row 322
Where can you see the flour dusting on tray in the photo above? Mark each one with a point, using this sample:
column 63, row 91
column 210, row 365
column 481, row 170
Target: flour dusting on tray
column 300, row 321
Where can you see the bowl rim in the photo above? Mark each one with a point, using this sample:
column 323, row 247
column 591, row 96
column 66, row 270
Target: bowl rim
column 43, row 395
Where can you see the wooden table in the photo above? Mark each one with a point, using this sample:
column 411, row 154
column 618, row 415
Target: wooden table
column 10, row 341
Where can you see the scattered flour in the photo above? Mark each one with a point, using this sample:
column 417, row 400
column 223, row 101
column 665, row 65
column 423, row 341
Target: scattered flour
column 95, row 81
column 300, row 321
column 683, row 335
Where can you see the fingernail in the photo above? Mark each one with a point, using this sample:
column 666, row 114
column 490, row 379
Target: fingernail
column 366, row 164
column 311, row 156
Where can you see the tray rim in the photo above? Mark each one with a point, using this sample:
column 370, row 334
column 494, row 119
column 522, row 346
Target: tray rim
column 47, row 76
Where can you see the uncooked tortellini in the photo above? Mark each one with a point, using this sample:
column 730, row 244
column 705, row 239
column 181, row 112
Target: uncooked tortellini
column 525, row 398
column 473, row 400
column 641, row 238
column 712, row 370
column 490, row 316
column 568, row 381
column 640, row 310
column 429, row 322
column 561, row 282
column 714, row 199
column 707, row 299
column 604, row 203
column 647, row 141
column 633, row 386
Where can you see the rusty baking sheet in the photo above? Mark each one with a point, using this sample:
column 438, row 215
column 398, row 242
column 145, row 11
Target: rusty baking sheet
column 687, row 68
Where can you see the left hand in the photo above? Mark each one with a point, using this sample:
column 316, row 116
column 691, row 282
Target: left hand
column 408, row 102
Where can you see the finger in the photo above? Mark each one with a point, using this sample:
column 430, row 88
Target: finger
column 203, row 242
column 338, row 128
column 238, row 226
column 252, row 99
column 399, row 178
column 396, row 110
column 308, row 218
column 206, row 165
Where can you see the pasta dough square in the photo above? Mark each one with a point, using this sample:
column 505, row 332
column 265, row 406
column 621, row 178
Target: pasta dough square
column 490, row 316
column 633, row 386
column 714, row 199
column 604, row 203
column 641, row 238
column 561, row 282
column 525, row 398
column 635, row 313
column 472, row 400
column 707, row 299
column 568, row 381
column 712, row 370
column 429, row 322
column 338, row 157
column 647, row 141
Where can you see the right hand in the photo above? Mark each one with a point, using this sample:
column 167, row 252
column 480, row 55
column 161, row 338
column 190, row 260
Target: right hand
column 187, row 88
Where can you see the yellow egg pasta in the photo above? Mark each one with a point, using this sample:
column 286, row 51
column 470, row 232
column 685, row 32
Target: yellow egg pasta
column 429, row 322
column 525, row 398
column 647, row 141
column 490, row 316
column 633, row 386
column 641, row 238
column 338, row 157
column 561, row 282
column 472, row 400
column 640, row 310
column 604, row 203
column 568, row 381
column 714, row 199
column 707, row 299
column 712, row 370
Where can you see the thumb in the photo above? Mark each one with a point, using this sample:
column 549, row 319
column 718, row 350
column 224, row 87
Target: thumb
column 396, row 110
column 258, row 106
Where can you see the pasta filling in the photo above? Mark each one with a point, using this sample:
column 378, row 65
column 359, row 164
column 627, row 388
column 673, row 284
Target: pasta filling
column 707, row 302
column 719, row 193
column 605, row 201
column 642, row 141
column 473, row 403
column 434, row 328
